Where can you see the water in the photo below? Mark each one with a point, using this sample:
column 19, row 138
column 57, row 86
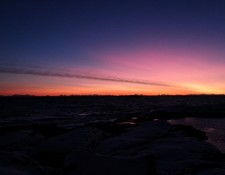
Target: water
column 213, row 127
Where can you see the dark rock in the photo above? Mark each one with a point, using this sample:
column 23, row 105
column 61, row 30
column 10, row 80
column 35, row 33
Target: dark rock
column 48, row 130
column 111, row 127
column 20, row 164
column 16, row 140
column 189, row 131
column 86, row 163
column 212, row 171
column 49, row 159
column 130, row 142
column 176, row 149
column 81, row 138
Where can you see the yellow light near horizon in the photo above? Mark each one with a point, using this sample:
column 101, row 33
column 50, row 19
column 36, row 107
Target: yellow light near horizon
column 203, row 89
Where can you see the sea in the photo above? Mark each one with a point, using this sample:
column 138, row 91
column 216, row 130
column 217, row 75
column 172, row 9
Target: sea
column 213, row 127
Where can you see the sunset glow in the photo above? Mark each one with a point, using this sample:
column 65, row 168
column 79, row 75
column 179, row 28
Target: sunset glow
column 149, row 48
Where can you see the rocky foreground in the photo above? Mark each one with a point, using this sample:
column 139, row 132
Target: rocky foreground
column 154, row 147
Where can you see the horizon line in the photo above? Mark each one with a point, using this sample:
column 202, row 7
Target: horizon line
column 74, row 95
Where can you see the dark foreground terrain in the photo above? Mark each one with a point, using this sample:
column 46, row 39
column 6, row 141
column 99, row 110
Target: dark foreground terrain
column 107, row 135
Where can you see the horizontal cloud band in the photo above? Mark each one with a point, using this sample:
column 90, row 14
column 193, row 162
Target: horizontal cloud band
column 77, row 75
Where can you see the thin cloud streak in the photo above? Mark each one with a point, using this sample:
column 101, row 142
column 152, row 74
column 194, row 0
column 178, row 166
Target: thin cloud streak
column 78, row 75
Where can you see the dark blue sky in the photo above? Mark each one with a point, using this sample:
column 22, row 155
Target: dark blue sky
column 62, row 34
column 32, row 28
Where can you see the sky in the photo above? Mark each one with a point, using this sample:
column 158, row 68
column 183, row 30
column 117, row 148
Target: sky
column 149, row 47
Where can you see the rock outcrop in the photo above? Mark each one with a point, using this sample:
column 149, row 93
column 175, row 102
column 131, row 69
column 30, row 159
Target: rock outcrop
column 154, row 147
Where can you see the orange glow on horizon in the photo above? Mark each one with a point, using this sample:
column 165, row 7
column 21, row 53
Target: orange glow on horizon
column 110, row 89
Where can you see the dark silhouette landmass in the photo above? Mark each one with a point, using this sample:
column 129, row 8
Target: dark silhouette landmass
column 85, row 135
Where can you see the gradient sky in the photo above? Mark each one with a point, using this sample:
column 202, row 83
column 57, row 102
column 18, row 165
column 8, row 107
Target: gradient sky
column 112, row 47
